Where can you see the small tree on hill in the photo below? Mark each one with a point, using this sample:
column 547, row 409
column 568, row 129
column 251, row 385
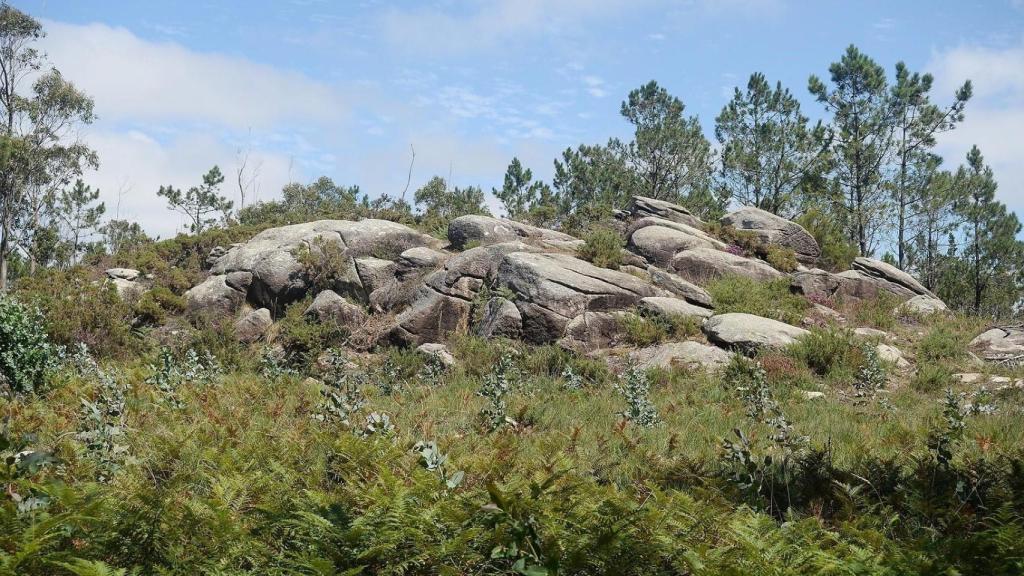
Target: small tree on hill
column 198, row 202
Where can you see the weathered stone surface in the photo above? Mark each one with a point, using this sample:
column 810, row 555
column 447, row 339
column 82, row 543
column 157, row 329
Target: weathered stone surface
column 924, row 305
column 676, row 285
column 702, row 265
column 850, row 284
column 775, row 230
column 483, row 230
column 419, row 258
column 439, row 351
column 272, row 256
column 893, row 355
column 694, row 231
column 1001, row 344
column 501, row 319
column 329, row 307
column 668, row 307
column 432, row 316
column 129, row 274
column 747, row 332
column 592, row 330
column 660, row 244
column 127, row 290
column 213, row 298
column 552, row 289
column 889, row 273
column 691, row 355
column 252, row 326
column 375, row 273
column 641, row 206
column 865, row 332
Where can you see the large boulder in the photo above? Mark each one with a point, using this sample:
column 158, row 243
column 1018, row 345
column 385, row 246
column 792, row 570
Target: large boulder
column 1003, row 344
column 702, row 265
column 592, row 330
column 889, row 273
column 672, row 307
column 659, row 244
column 484, row 230
column 641, row 206
column 689, row 355
column 850, row 284
column 375, row 273
column 217, row 296
column 552, row 289
column 923, row 305
column 330, row 308
column 280, row 274
column 672, row 283
column 252, row 326
column 775, row 230
column 500, row 319
column 748, row 333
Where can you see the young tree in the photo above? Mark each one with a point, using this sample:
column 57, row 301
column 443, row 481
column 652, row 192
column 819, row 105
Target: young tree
column 991, row 247
column 441, row 205
column 77, row 209
column 862, row 123
column 321, row 198
column 122, row 235
column 917, row 122
column 669, row 152
column 525, row 199
column 591, row 182
column 198, row 202
column 39, row 128
column 934, row 219
column 768, row 148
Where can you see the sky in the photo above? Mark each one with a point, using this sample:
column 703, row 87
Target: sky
column 348, row 89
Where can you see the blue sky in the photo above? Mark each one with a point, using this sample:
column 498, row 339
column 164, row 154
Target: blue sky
column 313, row 87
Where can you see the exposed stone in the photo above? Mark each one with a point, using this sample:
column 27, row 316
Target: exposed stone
column 592, row 330
column 252, row 326
column 419, row 258
column 691, row 355
column 1001, row 344
column 850, row 284
column 702, row 265
column 695, row 231
column 889, row 273
column 669, row 307
column 747, row 332
column 659, row 244
column 865, row 332
column 501, row 319
column 127, row 290
column 439, row 351
column 924, row 306
column 552, row 289
column 813, row 395
column 892, row 355
column 329, row 307
column 641, row 206
column 129, row 274
column 484, row 230
column 676, row 285
column 375, row 273
column 970, row 378
column 213, row 298
column 775, row 230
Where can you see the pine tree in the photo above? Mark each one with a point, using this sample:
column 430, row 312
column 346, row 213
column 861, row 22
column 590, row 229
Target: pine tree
column 768, row 149
column 862, row 122
column 77, row 209
column 198, row 202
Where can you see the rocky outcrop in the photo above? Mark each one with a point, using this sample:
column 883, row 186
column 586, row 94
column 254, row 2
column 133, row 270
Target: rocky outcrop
column 1004, row 344
column 483, row 230
column 330, row 308
column 592, row 330
column 659, row 244
column 218, row 296
column 500, row 319
column 252, row 326
column 672, row 283
column 668, row 307
column 688, row 355
column 552, row 289
column 748, row 333
column 892, row 355
column 776, row 231
column 129, row 274
column 125, row 281
column 641, row 206
column 278, row 273
column 890, row 274
column 703, row 265
column 923, row 305
column 850, row 284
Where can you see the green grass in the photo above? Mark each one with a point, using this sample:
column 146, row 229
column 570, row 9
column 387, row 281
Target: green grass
column 769, row 299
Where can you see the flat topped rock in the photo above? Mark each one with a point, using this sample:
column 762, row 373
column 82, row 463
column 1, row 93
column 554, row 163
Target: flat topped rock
column 680, row 287
column 659, row 244
column 702, row 265
column 693, row 355
column 1000, row 344
column 748, row 332
column 641, row 206
column 924, row 305
column 775, row 230
column 483, row 230
column 129, row 274
column 889, row 273
column 668, row 306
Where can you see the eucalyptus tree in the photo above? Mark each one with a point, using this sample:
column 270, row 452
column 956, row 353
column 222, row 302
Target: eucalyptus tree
column 769, row 150
column 40, row 113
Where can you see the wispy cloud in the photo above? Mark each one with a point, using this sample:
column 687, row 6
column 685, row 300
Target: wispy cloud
column 595, row 86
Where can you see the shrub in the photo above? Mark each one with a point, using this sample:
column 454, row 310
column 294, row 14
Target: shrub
column 79, row 309
column 25, row 353
column 325, row 262
column 829, row 352
column 836, row 251
column 876, row 312
column 602, row 247
column 782, row 259
column 931, row 377
column 941, row 343
column 644, row 330
column 155, row 304
column 769, row 299
column 304, row 339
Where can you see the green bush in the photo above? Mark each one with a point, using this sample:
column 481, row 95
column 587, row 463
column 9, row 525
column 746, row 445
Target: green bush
column 155, row 304
column 931, row 377
column 782, row 259
column 304, row 339
column 646, row 329
column 837, row 253
column 769, row 299
column 25, row 352
column 829, row 352
column 602, row 247
column 942, row 342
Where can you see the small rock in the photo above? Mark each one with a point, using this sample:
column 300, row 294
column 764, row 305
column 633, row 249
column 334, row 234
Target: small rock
column 439, row 351
column 252, row 326
column 129, row 274
column 892, row 355
column 748, row 332
column 924, row 306
column 969, row 377
column 813, row 394
column 682, row 354
column 865, row 332
column 328, row 306
column 501, row 319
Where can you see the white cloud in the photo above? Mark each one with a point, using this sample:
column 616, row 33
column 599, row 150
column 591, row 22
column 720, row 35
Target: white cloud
column 131, row 78
column 595, row 86
column 995, row 115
